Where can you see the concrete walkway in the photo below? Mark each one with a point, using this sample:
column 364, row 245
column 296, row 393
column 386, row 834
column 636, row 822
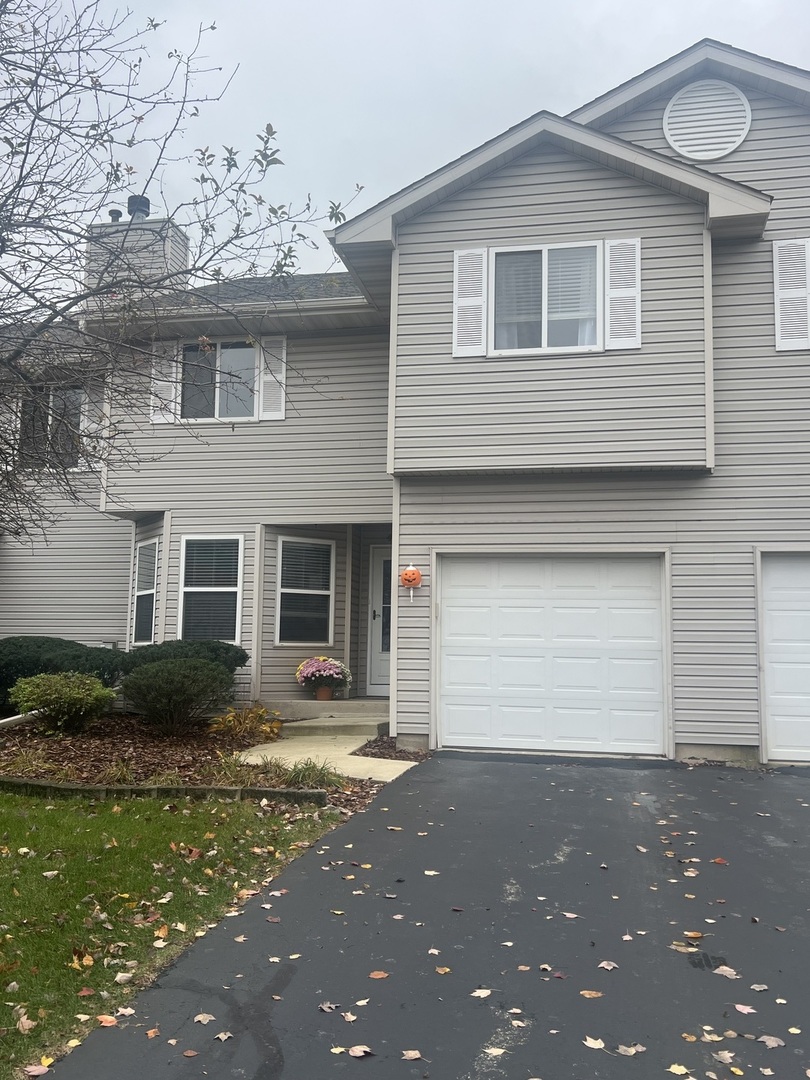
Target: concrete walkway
column 336, row 750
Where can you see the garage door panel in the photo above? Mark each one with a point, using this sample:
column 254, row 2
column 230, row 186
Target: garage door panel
column 519, row 673
column 469, row 671
column 513, row 624
column 468, row 624
column 786, row 647
column 633, row 676
column 634, row 625
column 576, row 624
column 580, row 674
column 548, row 652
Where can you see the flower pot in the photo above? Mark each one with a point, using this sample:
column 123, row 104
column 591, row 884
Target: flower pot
column 324, row 693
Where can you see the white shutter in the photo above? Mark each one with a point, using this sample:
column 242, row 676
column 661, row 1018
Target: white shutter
column 470, row 303
column 165, row 406
column 791, row 285
column 272, row 378
column 623, row 294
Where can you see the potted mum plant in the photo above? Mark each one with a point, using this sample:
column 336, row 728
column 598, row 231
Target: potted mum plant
column 323, row 675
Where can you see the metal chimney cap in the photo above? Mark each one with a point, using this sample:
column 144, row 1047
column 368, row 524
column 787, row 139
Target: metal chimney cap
column 115, row 215
column 138, row 207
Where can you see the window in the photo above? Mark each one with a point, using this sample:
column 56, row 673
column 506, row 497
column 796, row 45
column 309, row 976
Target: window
column 306, row 590
column 579, row 297
column 225, row 380
column 791, row 283
column 143, row 630
column 211, row 576
column 52, row 422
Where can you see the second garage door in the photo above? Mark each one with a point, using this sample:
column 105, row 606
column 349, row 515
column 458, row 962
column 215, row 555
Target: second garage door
column 552, row 653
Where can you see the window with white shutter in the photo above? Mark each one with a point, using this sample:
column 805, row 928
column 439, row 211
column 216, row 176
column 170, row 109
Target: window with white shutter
column 211, row 576
column 306, row 591
column 231, row 381
column 791, row 283
column 554, row 298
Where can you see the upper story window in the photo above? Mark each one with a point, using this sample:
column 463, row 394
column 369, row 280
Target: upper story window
column 553, row 298
column 53, row 422
column 230, row 381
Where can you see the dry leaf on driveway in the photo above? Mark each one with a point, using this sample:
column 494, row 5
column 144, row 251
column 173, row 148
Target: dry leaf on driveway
column 412, row 1055
column 744, row 1009
column 608, row 965
column 595, row 1044
column 481, row 993
column 204, row 1018
column 729, row 972
column 378, row 974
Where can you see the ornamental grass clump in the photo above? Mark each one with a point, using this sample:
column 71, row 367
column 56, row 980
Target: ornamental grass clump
column 319, row 671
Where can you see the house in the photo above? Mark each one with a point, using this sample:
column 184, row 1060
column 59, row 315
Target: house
column 567, row 378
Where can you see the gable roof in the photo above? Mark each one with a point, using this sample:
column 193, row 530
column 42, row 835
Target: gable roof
column 705, row 59
column 366, row 241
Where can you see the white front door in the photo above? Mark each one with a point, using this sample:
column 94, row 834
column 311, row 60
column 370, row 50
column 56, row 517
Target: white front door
column 379, row 634
column 543, row 652
column 786, row 607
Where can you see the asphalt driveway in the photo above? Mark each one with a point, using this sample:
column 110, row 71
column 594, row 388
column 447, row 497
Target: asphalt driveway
column 523, row 878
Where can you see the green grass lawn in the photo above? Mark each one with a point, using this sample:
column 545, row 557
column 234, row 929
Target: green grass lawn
column 95, row 897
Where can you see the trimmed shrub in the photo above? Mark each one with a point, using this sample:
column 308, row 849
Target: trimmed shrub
column 23, row 656
column 218, row 652
column 64, row 701
column 176, row 695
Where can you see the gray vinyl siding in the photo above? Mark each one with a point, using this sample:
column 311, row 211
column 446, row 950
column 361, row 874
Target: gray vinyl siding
column 624, row 408
column 774, row 157
column 74, row 583
column 325, row 463
column 710, row 525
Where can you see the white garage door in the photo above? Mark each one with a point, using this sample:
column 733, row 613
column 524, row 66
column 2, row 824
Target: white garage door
column 552, row 653
column 786, row 596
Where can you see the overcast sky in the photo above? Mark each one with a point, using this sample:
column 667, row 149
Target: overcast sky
column 378, row 93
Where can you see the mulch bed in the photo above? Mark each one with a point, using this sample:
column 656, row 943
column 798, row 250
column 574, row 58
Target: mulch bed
column 384, row 746
column 124, row 738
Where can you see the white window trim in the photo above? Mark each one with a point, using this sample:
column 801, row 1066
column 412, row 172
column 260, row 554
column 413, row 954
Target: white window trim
column 314, row 592
column 226, row 589
column 547, row 350
column 171, row 383
column 144, row 592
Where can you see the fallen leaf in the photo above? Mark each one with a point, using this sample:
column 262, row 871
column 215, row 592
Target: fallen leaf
column 795, row 1031
column 693, row 935
column 204, row 1018
column 508, row 944
column 627, row 937
column 758, row 986
column 571, row 915
column 679, row 1070
column 744, row 1009
column 172, row 1042
column 36, row 1070
column 608, row 965
column 124, row 1011
column 338, row 1050
column 766, row 1072
column 122, row 978
column 595, row 1044
column 727, row 971
column 349, row 1017
column 223, row 1035
column 643, row 850
column 153, row 1033
column 432, row 873
column 393, row 828
column 85, row 991
column 494, row 1051
column 241, row 938
column 106, row 1020
column 631, row 1051
column 481, row 993
column 519, row 1023
column 363, row 1001
column 771, row 1041
column 82, row 1017
column 412, row 1055
column 725, row 1057
column 524, row 967
column 189, row 1053
column 334, row 912
column 591, row 993
column 443, row 970
column 378, row 974
column 360, row 1051
column 688, row 1037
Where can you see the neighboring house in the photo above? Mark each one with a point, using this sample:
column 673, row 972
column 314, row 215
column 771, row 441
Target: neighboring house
column 568, row 379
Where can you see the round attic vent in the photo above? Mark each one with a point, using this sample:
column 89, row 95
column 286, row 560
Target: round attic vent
column 707, row 120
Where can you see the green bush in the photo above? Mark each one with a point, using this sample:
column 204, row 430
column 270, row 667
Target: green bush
column 23, row 656
column 65, row 701
column 176, row 695
column 218, row 652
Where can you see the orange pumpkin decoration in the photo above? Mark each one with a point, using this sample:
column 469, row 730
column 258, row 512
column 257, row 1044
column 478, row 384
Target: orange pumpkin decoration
column 411, row 578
